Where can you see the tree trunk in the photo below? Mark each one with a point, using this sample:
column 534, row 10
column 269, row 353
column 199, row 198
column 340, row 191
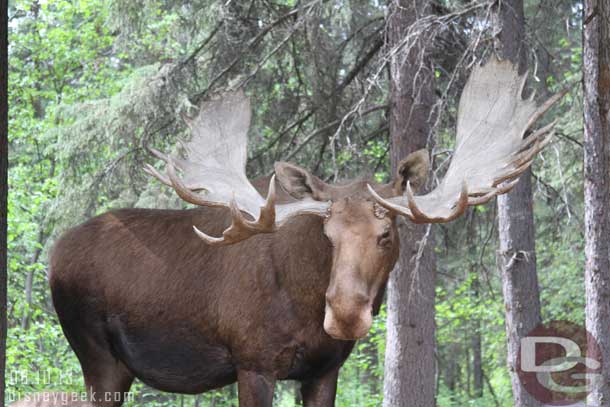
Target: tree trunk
column 409, row 360
column 3, row 187
column 452, row 368
column 596, row 78
column 517, row 254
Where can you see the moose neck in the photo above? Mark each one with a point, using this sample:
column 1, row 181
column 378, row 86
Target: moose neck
column 306, row 259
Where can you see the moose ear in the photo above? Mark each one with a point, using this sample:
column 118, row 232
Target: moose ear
column 300, row 183
column 413, row 168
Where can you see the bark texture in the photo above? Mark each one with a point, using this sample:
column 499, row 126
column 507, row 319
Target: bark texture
column 409, row 359
column 3, row 186
column 517, row 252
column 596, row 77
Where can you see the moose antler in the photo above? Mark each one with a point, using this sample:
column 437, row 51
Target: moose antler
column 214, row 171
column 490, row 149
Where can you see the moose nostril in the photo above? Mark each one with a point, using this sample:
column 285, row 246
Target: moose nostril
column 356, row 299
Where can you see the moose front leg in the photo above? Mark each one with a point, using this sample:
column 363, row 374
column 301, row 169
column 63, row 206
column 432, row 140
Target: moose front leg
column 255, row 389
column 320, row 392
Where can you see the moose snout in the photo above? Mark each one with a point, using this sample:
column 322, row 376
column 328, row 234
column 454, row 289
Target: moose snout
column 347, row 317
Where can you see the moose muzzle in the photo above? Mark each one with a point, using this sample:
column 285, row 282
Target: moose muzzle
column 347, row 316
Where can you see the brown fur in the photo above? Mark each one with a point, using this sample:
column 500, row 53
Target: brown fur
column 138, row 294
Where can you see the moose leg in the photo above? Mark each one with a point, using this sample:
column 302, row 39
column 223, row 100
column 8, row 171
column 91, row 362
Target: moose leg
column 320, row 392
column 107, row 381
column 255, row 389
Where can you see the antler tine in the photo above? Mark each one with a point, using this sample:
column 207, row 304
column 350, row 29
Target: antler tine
column 158, row 154
column 232, row 234
column 150, row 170
column 522, row 79
column 396, row 208
column 184, row 192
column 535, row 136
column 528, row 155
column 413, row 212
column 418, row 215
column 512, row 174
column 421, row 217
column 242, row 228
column 542, row 109
column 479, row 200
column 523, row 160
column 266, row 218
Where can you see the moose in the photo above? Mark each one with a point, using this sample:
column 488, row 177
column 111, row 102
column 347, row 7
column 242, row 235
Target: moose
column 273, row 279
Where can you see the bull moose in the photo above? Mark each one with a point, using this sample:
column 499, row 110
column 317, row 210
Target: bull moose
column 297, row 269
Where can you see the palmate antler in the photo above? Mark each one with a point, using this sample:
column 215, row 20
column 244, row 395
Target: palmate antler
column 490, row 149
column 490, row 154
column 214, row 172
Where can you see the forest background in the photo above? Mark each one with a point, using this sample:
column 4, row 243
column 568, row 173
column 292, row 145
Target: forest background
column 93, row 83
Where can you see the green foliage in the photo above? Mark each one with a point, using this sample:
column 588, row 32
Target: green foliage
column 92, row 83
column 39, row 358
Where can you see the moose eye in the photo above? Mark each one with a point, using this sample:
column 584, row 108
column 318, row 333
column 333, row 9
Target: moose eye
column 384, row 238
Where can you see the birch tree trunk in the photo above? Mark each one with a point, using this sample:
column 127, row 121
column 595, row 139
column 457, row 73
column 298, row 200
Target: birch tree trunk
column 3, row 187
column 409, row 359
column 517, row 252
column 596, row 79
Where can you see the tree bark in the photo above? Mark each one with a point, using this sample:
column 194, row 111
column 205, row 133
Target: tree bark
column 409, row 360
column 596, row 79
column 517, row 253
column 3, row 188
column 452, row 370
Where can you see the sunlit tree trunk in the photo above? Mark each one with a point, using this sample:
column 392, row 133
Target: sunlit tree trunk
column 517, row 253
column 3, row 188
column 409, row 360
column 596, row 79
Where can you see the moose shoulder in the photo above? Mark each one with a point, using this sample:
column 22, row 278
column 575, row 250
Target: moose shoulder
column 292, row 280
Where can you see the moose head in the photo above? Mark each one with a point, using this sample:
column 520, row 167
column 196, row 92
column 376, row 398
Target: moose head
column 359, row 218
